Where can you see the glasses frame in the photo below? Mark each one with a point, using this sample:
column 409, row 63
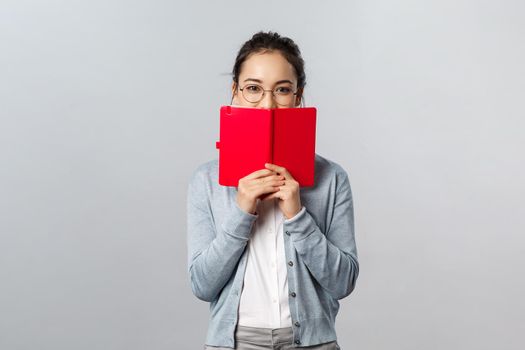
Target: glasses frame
column 264, row 93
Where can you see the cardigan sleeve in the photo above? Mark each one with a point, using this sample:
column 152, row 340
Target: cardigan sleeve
column 331, row 256
column 213, row 252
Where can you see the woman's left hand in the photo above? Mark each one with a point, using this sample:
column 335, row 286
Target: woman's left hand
column 290, row 201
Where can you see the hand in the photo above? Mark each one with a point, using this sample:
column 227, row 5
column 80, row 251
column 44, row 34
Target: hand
column 290, row 200
column 252, row 186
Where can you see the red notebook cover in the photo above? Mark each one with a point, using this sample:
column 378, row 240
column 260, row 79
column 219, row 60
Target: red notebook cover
column 250, row 137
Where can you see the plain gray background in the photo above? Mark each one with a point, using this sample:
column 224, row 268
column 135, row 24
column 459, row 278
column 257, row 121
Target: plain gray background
column 108, row 106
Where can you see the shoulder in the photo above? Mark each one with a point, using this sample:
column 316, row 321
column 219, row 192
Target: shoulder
column 329, row 169
column 205, row 172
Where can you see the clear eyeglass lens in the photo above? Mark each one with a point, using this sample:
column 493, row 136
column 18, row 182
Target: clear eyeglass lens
column 252, row 93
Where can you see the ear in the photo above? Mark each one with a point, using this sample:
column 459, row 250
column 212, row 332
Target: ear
column 234, row 91
column 298, row 97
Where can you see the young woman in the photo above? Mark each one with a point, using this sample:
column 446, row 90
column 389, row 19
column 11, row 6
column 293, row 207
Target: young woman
column 272, row 259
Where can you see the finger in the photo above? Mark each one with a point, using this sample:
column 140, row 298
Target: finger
column 264, row 197
column 259, row 173
column 276, row 183
column 267, row 190
column 270, row 196
column 267, row 181
column 274, row 177
column 267, row 198
column 279, row 169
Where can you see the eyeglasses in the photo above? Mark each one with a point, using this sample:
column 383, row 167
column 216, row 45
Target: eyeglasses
column 254, row 93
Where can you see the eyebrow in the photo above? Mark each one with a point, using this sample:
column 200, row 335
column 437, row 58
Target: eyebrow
column 278, row 82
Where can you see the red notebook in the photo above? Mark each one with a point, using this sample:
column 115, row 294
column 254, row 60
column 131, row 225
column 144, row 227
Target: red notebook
column 250, row 137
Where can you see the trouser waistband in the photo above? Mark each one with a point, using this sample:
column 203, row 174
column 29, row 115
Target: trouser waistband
column 264, row 336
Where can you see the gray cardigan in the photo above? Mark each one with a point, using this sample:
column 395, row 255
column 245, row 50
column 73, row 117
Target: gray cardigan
column 319, row 245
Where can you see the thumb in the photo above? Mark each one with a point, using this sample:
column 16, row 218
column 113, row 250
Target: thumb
column 266, row 197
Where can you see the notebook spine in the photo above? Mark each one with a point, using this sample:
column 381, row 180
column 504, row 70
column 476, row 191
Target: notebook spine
column 272, row 132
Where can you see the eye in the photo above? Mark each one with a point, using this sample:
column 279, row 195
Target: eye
column 253, row 88
column 283, row 90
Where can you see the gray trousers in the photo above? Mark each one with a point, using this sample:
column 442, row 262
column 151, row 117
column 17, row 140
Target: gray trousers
column 253, row 338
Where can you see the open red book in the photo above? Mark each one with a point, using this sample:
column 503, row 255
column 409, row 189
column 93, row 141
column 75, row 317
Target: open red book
column 250, row 137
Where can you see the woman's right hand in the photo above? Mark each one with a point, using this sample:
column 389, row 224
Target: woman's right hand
column 256, row 184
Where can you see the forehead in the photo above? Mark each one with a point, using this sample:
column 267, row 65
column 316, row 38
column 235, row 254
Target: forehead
column 268, row 67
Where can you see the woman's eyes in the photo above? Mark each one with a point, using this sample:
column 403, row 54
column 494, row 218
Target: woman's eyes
column 254, row 88
column 283, row 90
